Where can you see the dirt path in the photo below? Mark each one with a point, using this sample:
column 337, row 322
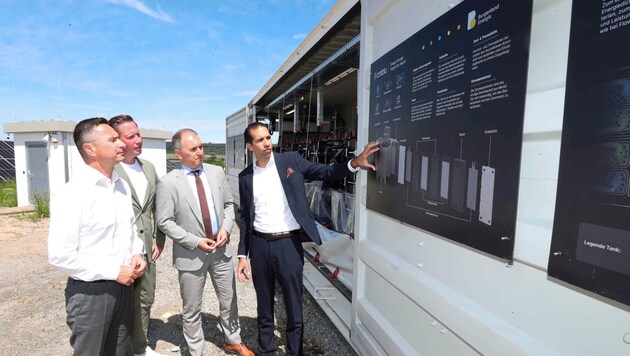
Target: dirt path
column 32, row 311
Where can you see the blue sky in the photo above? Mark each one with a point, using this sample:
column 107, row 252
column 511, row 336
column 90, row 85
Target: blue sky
column 169, row 64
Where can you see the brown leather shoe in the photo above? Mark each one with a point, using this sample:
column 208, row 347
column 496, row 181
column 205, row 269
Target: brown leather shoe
column 239, row 349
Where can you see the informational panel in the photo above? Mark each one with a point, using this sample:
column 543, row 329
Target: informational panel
column 447, row 106
column 591, row 235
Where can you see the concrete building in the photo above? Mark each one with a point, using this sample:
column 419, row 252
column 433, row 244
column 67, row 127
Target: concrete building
column 46, row 156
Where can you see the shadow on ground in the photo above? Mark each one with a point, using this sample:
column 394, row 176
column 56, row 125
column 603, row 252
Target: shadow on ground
column 171, row 331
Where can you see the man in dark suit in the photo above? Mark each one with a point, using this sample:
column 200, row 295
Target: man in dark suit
column 274, row 217
column 142, row 179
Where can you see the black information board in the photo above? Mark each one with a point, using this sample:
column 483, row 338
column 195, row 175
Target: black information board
column 447, row 105
column 590, row 247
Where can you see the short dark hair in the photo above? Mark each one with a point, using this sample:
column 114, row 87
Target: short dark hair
column 254, row 125
column 83, row 130
column 177, row 137
column 117, row 120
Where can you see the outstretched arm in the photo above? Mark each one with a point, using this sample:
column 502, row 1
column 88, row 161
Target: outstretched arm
column 318, row 171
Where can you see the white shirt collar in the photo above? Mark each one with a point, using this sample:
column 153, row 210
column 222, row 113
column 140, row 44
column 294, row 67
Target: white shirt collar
column 271, row 161
column 92, row 176
column 187, row 169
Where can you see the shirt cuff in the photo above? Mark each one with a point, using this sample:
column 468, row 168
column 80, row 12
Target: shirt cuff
column 241, row 256
column 351, row 169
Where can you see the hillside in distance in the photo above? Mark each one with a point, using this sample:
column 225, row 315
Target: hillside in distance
column 217, row 149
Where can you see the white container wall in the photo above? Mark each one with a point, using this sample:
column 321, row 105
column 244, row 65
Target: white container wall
column 417, row 293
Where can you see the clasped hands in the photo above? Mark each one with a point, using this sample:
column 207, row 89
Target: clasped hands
column 208, row 245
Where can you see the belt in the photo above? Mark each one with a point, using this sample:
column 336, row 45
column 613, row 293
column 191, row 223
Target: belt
column 272, row 236
column 70, row 279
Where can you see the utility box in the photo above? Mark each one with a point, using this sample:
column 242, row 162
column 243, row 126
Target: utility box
column 46, row 156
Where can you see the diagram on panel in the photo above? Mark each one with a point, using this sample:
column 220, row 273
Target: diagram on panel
column 487, row 195
column 461, row 79
column 386, row 161
column 437, row 180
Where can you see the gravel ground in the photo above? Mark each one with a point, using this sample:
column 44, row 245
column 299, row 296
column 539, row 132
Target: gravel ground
column 32, row 312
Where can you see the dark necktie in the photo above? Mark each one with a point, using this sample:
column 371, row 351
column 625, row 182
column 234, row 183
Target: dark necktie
column 203, row 202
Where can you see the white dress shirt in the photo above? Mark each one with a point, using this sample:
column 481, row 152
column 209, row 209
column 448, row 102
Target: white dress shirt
column 92, row 231
column 138, row 179
column 271, row 208
column 190, row 176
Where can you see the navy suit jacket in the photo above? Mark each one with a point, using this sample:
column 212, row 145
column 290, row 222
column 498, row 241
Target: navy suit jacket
column 293, row 170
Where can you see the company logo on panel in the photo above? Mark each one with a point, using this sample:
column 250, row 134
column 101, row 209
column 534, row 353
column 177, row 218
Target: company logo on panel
column 472, row 19
column 380, row 73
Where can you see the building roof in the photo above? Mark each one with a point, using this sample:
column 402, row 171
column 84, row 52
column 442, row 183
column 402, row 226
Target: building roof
column 68, row 126
column 335, row 30
column 39, row 126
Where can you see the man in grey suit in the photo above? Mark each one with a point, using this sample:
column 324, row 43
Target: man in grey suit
column 195, row 209
column 141, row 177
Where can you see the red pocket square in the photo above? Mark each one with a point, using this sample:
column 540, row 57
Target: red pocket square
column 289, row 172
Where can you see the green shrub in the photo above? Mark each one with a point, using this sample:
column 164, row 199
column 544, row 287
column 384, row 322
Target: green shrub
column 42, row 206
column 212, row 159
column 8, row 193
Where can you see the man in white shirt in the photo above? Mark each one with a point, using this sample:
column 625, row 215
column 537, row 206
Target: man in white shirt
column 92, row 238
column 142, row 179
column 275, row 218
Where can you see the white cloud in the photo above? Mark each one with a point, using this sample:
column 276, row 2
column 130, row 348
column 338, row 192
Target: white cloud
column 299, row 36
column 157, row 14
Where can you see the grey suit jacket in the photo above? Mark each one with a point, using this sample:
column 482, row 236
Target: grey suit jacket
column 179, row 215
column 145, row 211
